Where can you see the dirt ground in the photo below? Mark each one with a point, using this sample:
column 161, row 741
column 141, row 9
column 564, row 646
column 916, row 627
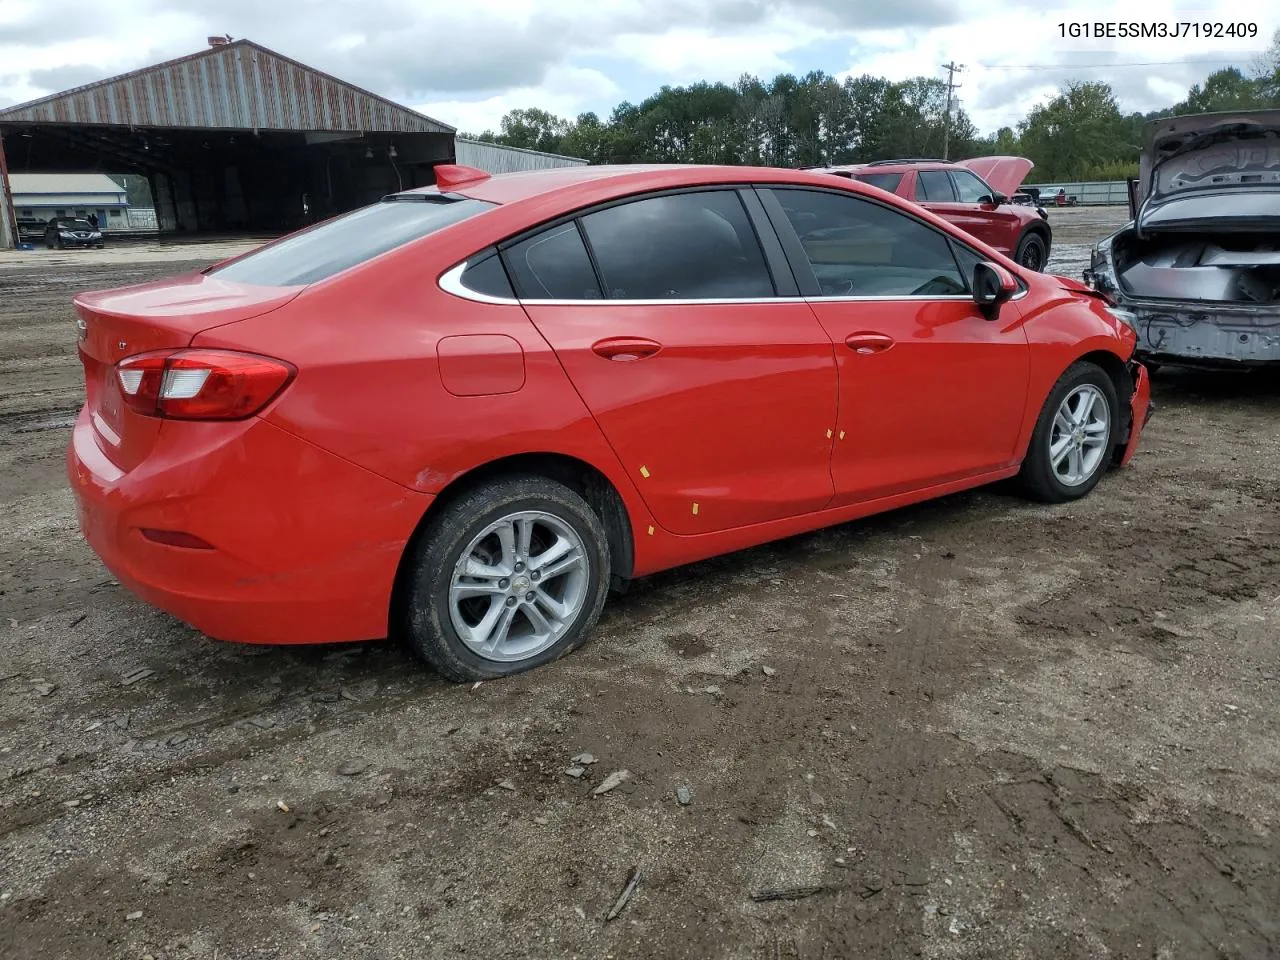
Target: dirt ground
column 987, row 729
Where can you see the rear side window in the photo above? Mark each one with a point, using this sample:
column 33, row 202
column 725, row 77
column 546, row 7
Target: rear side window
column 346, row 241
column 684, row 246
column 858, row 248
column 934, row 185
column 486, row 275
column 885, row 181
column 553, row 265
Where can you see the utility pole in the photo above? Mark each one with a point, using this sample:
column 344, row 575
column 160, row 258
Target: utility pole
column 952, row 69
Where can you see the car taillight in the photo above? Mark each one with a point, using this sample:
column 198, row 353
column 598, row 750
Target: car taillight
column 201, row 384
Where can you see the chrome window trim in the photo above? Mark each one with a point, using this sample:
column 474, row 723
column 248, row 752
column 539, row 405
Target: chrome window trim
column 451, row 283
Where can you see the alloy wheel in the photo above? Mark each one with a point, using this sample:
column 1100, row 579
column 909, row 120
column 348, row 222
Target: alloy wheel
column 1080, row 435
column 518, row 586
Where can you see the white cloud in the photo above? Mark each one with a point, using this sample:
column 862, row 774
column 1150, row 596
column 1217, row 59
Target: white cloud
column 566, row 92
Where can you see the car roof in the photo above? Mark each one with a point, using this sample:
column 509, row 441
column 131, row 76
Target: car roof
column 506, row 188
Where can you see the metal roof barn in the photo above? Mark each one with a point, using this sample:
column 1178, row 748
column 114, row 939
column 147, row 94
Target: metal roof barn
column 238, row 138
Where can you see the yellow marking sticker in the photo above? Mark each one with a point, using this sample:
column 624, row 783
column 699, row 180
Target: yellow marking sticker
column 695, row 508
column 651, row 531
column 828, row 434
column 841, row 434
column 644, row 471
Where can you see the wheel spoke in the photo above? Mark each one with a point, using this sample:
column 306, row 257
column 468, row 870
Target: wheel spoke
column 506, row 534
column 501, row 629
column 1093, row 442
column 1076, row 463
column 1062, row 421
column 1087, row 400
column 1096, row 427
column 553, row 553
column 482, row 571
column 541, row 625
column 477, row 588
column 1059, row 450
column 562, row 566
column 524, row 536
column 553, row 606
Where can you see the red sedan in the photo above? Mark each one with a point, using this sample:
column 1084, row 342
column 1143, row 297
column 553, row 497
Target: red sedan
column 466, row 412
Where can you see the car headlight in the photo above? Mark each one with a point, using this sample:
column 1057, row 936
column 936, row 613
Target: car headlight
column 1127, row 317
column 95, row 235
column 64, row 233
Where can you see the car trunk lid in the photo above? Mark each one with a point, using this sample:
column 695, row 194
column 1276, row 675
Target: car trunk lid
column 165, row 315
column 1192, row 165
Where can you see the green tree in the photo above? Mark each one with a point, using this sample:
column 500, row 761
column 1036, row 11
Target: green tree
column 1077, row 132
column 533, row 129
column 1227, row 89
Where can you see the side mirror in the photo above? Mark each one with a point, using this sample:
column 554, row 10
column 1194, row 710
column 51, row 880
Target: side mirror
column 992, row 286
column 994, row 198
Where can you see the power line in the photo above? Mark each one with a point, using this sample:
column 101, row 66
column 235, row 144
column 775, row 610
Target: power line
column 1105, row 66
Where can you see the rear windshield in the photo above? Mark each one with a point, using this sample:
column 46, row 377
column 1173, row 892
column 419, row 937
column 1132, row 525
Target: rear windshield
column 885, row 181
column 346, row 241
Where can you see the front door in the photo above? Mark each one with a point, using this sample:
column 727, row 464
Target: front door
column 718, row 398
column 930, row 390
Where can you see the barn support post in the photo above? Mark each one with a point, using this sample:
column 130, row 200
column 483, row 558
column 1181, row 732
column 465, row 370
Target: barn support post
column 8, row 215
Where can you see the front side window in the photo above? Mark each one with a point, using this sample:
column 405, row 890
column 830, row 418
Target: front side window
column 934, row 186
column 684, row 246
column 339, row 244
column 858, row 248
column 969, row 188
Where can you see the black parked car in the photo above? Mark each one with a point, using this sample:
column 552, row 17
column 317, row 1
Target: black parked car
column 63, row 232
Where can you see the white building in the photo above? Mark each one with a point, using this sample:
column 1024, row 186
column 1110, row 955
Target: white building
column 43, row 196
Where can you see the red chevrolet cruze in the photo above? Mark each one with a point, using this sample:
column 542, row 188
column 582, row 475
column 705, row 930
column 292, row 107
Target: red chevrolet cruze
column 466, row 412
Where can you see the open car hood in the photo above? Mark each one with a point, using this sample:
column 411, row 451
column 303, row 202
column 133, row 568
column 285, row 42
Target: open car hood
column 1187, row 161
column 1004, row 174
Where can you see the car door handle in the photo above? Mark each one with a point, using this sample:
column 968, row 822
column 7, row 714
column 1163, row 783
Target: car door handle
column 626, row 348
column 868, row 343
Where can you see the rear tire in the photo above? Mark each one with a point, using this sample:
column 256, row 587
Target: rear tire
column 1074, row 437
column 508, row 577
column 1032, row 252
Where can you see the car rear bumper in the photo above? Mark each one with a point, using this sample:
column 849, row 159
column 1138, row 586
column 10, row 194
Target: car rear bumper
column 303, row 546
column 1141, row 408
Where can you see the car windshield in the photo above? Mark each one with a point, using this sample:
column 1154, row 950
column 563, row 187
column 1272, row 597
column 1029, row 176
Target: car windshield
column 75, row 225
column 343, row 242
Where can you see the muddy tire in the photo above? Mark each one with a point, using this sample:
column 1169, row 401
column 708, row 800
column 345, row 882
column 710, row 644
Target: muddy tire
column 508, row 577
column 1074, row 437
column 1032, row 252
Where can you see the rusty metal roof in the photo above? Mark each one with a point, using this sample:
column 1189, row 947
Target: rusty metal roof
column 239, row 85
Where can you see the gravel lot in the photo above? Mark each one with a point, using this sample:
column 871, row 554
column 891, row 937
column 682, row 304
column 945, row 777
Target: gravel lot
column 987, row 729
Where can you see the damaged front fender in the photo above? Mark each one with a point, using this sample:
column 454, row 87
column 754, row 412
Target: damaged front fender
column 1140, row 410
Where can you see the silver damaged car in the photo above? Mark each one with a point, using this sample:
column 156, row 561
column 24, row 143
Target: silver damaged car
column 1196, row 272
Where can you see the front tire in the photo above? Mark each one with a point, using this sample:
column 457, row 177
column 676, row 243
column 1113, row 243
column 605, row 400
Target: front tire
column 1074, row 437
column 1032, row 252
column 508, row 577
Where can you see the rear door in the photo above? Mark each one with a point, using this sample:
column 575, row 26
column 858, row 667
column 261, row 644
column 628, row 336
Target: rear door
column 670, row 315
column 930, row 390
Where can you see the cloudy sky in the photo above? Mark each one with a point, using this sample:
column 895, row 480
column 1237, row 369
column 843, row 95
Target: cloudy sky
column 469, row 63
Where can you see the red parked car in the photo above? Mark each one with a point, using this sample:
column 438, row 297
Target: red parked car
column 467, row 411
column 974, row 194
